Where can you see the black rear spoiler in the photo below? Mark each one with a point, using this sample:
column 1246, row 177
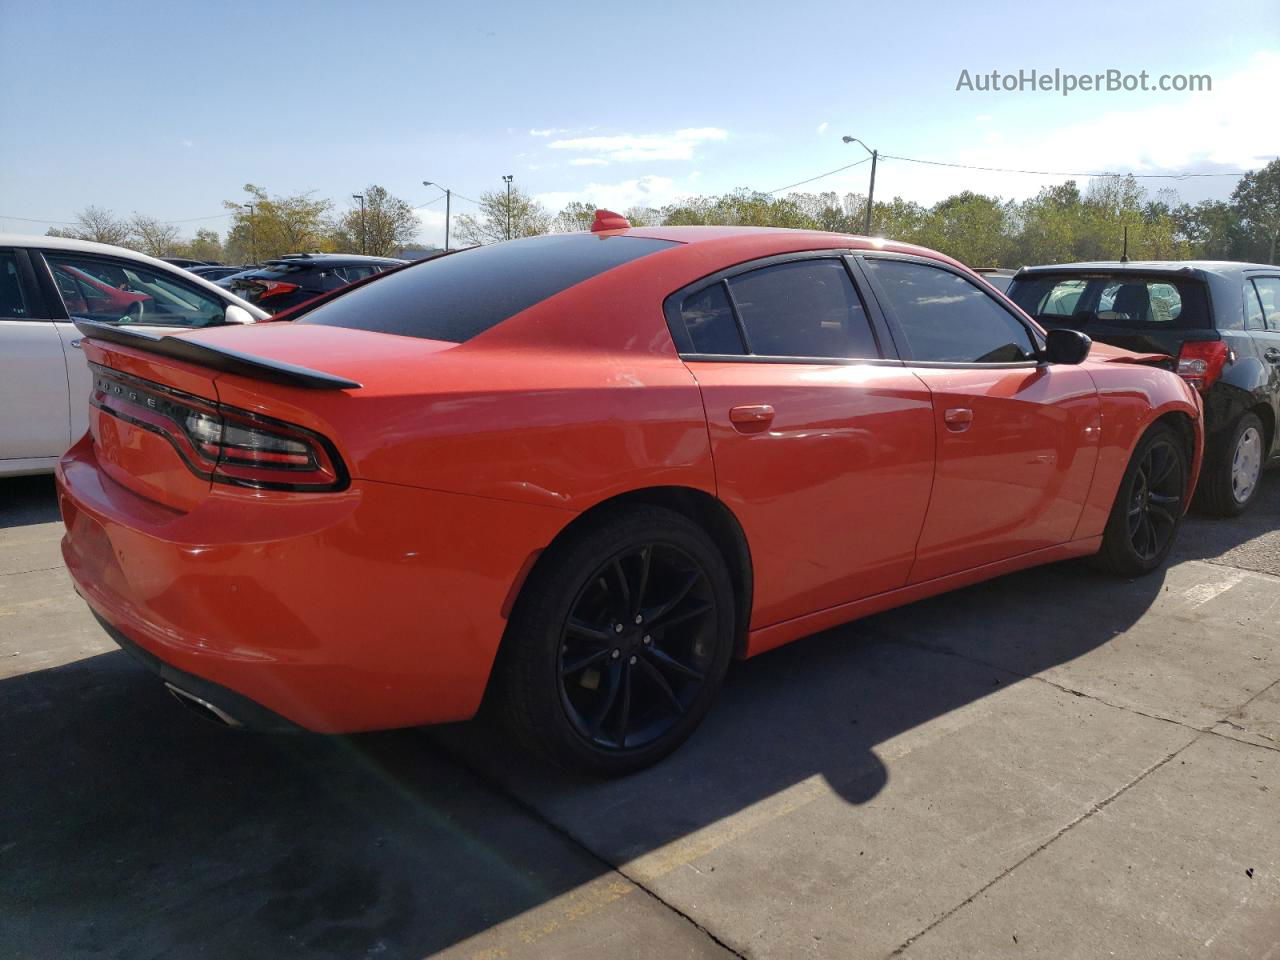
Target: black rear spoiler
column 216, row 358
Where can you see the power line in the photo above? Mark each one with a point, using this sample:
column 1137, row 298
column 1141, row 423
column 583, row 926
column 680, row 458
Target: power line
column 1041, row 173
column 799, row 183
column 1061, row 173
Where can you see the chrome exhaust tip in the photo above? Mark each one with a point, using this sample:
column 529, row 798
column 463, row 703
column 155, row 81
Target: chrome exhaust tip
column 203, row 708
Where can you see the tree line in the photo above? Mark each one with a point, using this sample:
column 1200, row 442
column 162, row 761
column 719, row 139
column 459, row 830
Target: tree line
column 263, row 226
column 1061, row 223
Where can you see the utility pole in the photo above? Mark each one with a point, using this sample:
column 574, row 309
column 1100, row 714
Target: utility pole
column 871, row 190
column 507, row 177
column 448, row 194
column 253, row 234
column 360, row 197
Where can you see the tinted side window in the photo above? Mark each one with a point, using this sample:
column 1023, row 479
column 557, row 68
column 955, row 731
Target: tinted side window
column 944, row 317
column 1252, row 309
column 12, row 302
column 458, row 296
column 120, row 291
column 1269, row 293
column 807, row 308
column 709, row 319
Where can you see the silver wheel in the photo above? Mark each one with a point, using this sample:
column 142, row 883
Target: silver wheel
column 1246, row 464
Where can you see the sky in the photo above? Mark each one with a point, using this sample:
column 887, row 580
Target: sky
column 169, row 108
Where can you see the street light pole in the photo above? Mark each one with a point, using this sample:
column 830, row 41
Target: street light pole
column 253, row 234
column 448, row 194
column 360, row 197
column 871, row 190
column 507, row 177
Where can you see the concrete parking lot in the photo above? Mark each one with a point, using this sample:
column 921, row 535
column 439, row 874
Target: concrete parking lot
column 1053, row 764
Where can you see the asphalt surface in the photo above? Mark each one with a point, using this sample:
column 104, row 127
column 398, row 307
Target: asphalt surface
column 1053, row 764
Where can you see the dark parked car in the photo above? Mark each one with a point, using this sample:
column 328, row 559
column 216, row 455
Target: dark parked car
column 219, row 272
column 1221, row 321
column 998, row 277
column 187, row 262
column 298, row 277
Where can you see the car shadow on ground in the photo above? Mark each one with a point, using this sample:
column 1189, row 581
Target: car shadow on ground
column 27, row 500
column 129, row 827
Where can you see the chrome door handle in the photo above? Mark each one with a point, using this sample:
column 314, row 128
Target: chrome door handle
column 958, row 419
column 76, row 344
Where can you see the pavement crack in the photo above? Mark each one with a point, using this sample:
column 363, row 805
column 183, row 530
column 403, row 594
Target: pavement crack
column 1094, row 808
column 1063, row 688
column 18, row 573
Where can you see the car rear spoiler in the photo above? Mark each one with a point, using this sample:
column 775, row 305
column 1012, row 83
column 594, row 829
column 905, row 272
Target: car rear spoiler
column 216, row 358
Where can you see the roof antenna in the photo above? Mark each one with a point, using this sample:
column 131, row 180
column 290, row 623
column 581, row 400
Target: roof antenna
column 608, row 220
column 1124, row 254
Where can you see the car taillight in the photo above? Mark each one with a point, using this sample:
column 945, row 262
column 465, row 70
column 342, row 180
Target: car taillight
column 273, row 288
column 1200, row 362
column 222, row 443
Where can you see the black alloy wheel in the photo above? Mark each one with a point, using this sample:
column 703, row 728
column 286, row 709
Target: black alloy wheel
column 1155, row 502
column 618, row 642
column 637, row 646
column 1148, row 506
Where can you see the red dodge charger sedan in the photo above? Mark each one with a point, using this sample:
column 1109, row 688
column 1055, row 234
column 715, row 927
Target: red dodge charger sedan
column 574, row 475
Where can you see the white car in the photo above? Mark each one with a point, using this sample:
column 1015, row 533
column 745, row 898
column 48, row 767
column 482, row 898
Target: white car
column 45, row 284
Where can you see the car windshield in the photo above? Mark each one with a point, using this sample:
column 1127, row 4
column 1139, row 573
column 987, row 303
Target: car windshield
column 459, row 296
column 1116, row 299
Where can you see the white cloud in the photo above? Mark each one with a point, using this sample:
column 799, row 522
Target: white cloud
column 1195, row 132
column 588, row 162
column 650, row 191
column 678, row 145
column 188, row 144
column 823, row 127
column 547, row 131
column 983, row 117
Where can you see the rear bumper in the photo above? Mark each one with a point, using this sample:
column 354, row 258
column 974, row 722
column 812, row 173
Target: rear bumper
column 233, row 709
column 377, row 607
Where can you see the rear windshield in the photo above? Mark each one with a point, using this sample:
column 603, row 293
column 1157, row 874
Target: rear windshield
column 274, row 271
column 458, row 296
column 1116, row 299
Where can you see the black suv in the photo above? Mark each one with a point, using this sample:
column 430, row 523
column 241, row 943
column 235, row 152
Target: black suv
column 298, row 277
column 1219, row 320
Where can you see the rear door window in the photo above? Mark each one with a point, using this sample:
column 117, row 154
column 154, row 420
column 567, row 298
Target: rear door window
column 463, row 294
column 1269, row 296
column 806, row 308
column 708, row 316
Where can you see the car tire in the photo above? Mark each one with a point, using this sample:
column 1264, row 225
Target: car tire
column 578, row 636
column 1149, row 505
column 1234, row 472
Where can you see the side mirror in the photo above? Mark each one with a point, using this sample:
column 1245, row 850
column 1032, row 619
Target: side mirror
column 1066, row 346
column 237, row 314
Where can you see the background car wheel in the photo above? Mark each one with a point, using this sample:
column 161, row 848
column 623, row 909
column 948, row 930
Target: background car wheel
column 1149, row 505
column 619, row 642
column 1231, row 479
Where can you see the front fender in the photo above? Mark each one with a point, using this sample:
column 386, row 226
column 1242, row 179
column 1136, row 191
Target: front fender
column 1132, row 399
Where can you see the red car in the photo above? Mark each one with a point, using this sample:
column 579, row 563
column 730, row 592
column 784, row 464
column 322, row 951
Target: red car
column 85, row 294
column 577, row 474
